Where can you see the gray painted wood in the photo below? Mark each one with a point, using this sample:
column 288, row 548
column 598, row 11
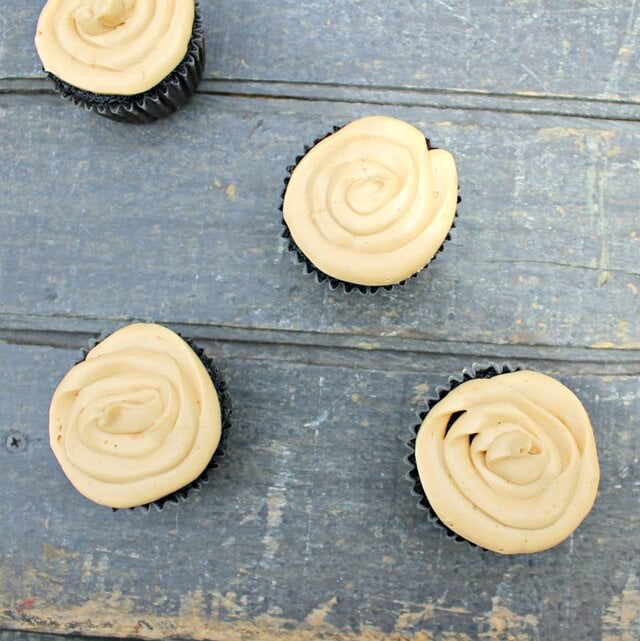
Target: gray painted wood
column 15, row 635
column 180, row 222
column 582, row 49
column 307, row 527
column 308, row 530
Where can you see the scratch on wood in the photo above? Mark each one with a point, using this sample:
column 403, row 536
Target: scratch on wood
column 276, row 502
column 322, row 415
column 528, row 71
column 596, row 186
column 620, row 66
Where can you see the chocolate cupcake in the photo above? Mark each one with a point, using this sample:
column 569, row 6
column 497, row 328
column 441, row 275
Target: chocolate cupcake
column 130, row 60
column 505, row 459
column 141, row 419
column 369, row 205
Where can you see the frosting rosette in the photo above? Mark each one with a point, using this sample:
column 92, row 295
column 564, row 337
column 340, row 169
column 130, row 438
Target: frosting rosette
column 115, row 47
column 138, row 419
column 371, row 204
column 508, row 462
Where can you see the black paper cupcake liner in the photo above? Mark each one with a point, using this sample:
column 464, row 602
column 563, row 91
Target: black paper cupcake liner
column 482, row 370
column 308, row 266
column 158, row 102
column 224, row 399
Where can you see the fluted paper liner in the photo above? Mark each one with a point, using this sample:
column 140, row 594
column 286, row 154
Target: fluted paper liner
column 155, row 103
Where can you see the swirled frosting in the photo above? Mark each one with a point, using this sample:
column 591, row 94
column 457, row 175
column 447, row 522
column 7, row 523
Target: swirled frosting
column 371, row 204
column 138, row 419
column 117, row 47
column 509, row 462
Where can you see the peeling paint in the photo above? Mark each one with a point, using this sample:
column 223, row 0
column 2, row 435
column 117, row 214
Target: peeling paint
column 505, row 624
column 317, row 617
column 420, row 391
column 621, row 619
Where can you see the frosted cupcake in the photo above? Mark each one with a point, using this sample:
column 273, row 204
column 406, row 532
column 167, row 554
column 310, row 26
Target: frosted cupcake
column 506, row 459
column 370, row 205
column 130, row 60
column 139, row 420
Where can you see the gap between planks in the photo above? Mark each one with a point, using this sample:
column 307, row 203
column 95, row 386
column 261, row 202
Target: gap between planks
column 434, row 98
column 353, row 351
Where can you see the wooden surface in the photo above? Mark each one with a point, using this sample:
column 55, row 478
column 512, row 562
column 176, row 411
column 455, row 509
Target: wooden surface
column 308, row 529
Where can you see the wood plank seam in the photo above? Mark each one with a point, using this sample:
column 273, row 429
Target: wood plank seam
column 434, row 98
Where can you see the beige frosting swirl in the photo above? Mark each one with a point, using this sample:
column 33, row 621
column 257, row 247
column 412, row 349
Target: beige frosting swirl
column 139, row 418
column 517, row 470
column 118, row 47
column 371, row 204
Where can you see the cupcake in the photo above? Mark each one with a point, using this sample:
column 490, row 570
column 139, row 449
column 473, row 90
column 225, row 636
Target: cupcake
column 140, row 419
column 129, row 60
column 370, row 205
column 506, row 459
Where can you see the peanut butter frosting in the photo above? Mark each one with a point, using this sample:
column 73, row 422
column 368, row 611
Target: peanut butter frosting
column 116, row 47
column 371, row 204
column 509, row 462
column 138, row 419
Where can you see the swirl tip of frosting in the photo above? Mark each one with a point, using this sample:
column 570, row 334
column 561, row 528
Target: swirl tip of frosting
column 98, row 16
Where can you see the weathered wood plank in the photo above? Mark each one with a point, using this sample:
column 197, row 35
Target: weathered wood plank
column 308, row 528
column 17, row 635
column 179, row 222
column 530, row 47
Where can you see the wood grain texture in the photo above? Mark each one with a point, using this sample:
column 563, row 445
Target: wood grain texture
column 528, row 47
column 17, row 635
column 180, row 220
column 307, row 528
